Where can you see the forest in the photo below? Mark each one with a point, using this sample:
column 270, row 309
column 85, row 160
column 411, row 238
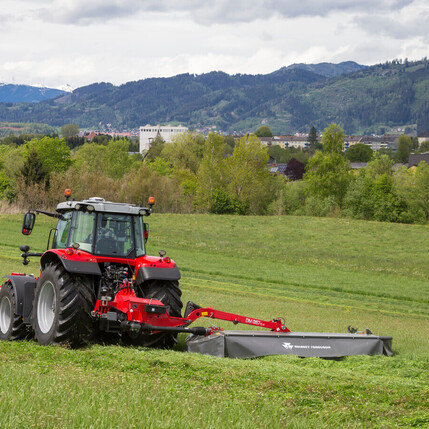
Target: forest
column 216, row 174
column 363, row 100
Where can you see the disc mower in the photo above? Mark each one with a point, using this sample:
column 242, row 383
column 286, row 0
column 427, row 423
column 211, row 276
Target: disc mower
column 96, row 279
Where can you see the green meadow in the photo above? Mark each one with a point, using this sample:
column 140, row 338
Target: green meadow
column 320, row 274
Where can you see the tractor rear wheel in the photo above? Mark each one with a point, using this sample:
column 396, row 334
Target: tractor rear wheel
column 62, row 307
column 169, row 293
column 11, row 324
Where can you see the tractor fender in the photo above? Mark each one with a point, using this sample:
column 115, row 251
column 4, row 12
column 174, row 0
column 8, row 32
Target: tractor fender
column 23, row 289
column 75, row 266
column 154, row 273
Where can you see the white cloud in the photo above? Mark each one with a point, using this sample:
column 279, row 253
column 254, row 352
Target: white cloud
column 53, row 42
column 216, row 11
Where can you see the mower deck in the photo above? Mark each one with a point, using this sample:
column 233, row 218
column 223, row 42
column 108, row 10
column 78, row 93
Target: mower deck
column 251, row 344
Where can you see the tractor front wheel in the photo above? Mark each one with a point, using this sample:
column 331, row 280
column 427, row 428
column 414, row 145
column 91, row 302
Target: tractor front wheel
column 11, row 324
column 169, row 293
column 62, row 307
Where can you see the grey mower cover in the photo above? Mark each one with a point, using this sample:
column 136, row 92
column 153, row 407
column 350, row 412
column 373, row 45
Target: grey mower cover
column 250, row 344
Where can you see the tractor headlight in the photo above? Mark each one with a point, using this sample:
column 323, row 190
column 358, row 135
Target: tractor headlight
column 90, row 208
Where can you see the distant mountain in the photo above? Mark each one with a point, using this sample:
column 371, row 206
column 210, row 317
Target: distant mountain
column 363, row 100
column 329, row 69
column 10, row 93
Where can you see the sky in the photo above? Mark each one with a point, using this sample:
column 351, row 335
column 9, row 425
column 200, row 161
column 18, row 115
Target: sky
column 79, row 42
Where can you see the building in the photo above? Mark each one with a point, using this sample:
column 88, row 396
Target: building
column 423, row 137
column 416, row 158
column 374, row 142
column 151, row 132
column 297, row 142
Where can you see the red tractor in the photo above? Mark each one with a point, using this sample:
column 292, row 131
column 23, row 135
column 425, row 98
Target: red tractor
column 96, row 278
column 96, row 248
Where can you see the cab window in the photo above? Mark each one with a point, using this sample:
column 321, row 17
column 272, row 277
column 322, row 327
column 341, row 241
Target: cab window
column 114, row 235
column 138, row 229
column 82, row 230
column 62, row 231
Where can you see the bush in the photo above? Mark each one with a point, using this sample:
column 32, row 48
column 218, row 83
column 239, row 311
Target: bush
column 290, row 199
column 224, row 203
column 376, row 199
column 321, row 207
column 4, row 184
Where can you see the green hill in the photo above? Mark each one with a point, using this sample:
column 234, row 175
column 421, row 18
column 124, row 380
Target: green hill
column 361, row 99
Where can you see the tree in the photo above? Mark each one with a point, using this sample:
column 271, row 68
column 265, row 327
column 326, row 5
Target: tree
column 403, row 149
column 424, row 147
column 375, row 198
column 312, row 138
column 33, row 170
column 278, row 154
column 211, row 174
column 53, row 152
column 379, row 165
column 327, row 174
column 283, row 156
column 102, row 139
column 413, row 186
column 230, row 143
column 155, row 149
column 224, row 203
column 4, row 183
column 295, row 169
column 161, row 166
column 387, row 205
column 69, row 130
column 422, row 187
column 90, row 156
column 264, row 131
column 118, row 161
column 333, row 139
column 247, row 173
column 359, row 153
column 185, row 151
column 75, row 141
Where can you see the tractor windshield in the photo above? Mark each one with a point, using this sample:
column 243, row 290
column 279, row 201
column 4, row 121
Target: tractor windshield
column 107, row 234
column 114, row 235
column 75, row 227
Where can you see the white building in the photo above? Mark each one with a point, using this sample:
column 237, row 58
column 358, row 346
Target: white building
column 150, row 132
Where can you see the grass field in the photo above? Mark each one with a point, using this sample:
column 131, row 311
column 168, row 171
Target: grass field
column 320, row 274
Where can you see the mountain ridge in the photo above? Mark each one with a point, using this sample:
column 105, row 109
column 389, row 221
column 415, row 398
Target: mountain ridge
column 17, row 93
column 360, row 98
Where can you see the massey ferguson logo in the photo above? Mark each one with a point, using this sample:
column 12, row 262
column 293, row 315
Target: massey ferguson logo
column 289, row 346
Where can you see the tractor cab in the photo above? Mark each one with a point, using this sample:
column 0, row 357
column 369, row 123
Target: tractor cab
column 101, row 233
column 98, row 227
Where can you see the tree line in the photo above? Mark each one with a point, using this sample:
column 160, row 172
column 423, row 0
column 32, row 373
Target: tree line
column 216, row 174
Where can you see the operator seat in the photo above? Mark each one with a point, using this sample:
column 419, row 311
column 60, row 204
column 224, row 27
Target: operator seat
column 106, row 246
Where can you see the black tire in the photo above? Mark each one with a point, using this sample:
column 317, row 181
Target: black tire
column 169, row 293
column 62, row 307
column 11, row 324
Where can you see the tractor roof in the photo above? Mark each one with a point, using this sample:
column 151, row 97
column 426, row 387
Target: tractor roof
column 100, row 205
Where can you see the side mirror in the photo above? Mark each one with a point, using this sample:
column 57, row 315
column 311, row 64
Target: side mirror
column 146, row 231
column 28, row 223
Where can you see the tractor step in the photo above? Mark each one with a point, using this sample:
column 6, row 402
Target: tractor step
column 251, row 344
